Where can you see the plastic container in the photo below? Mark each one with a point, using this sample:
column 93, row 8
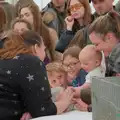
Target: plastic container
column 106, row 98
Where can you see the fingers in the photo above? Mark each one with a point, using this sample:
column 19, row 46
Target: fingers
column 26, row 116
column 69, row 19
column 69, row 93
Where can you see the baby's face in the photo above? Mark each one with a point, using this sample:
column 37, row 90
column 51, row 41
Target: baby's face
column 88, row 64
column 57, row 79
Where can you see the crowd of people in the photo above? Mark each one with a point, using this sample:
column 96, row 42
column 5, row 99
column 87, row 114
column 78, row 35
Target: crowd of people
column 48, row 57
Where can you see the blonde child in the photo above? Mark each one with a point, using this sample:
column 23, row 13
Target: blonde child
column 57, row 77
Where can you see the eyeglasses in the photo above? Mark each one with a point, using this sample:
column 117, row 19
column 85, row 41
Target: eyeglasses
column 75, row 7
column 70, row 64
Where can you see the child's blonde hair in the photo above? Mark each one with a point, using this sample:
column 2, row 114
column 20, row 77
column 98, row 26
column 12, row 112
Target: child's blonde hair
column 56, row 66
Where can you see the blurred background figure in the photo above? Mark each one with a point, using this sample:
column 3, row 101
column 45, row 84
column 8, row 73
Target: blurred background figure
column 54, row 14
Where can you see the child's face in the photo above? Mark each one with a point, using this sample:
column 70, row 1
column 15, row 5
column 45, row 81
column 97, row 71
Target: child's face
column 72, row 65
column 88, row 64
column 57, row 79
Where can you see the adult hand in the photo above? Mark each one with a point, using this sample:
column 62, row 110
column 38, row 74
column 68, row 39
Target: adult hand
column 69, row 22
column 80, row 105
column 77, row 91
column 26, row 116
column 66, row 96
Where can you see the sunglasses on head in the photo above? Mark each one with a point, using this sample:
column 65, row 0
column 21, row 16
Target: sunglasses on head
column 75, row 7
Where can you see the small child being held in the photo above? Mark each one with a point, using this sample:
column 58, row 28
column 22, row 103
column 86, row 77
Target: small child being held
column 90, row 60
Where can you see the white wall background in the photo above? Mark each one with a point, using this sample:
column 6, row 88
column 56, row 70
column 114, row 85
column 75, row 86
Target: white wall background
column 43, row 3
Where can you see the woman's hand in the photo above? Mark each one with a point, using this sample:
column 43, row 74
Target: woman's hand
column 64, row 100
column 69, row 22
column 66, row 95
column 80, row 105
column 26, row 116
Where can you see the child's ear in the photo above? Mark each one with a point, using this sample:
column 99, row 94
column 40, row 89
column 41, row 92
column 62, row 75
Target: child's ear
column 98, row 63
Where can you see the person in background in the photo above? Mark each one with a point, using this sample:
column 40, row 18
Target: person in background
column 24, row 80
column 20, row 25
column 2, row 22
column 20, row 3
column 79, row 16
column 31, row 13
column 53, row 15
column 102, row 7
column 9, row 10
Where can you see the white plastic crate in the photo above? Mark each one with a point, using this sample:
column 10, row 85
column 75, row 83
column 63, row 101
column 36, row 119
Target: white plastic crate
column 106, row 98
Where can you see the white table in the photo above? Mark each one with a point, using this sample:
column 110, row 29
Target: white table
column 73, row 115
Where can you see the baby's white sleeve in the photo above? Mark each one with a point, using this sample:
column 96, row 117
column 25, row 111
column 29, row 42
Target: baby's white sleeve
column 88, row 78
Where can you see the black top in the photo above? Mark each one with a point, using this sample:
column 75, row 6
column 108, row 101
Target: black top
column 24, row 87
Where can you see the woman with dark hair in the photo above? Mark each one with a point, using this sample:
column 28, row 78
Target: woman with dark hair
column 24, row 84
column 9, row 13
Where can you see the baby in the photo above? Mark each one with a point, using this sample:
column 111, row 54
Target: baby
column 90, row 60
